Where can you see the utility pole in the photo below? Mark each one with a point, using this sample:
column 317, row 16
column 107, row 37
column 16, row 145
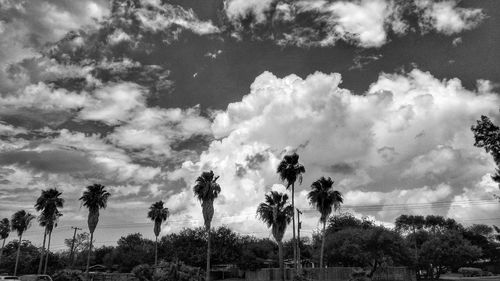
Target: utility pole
column 299, row 226
column 71, row 255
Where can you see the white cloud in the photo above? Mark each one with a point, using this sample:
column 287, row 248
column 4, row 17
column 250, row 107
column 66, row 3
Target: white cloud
column 240, row 8
column 422, row 122
column 445, row 17
column 114, row 104
column 166, row 16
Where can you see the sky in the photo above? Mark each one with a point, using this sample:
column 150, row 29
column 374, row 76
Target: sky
column 142, row 96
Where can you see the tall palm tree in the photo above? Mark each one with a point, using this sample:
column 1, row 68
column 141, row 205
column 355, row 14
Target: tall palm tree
column 48, row 203
column 206, row 190
column 325, row 200
column 49, row 221
column 158, row 214
column 20, row 222
column 290, row 170
column 4, row 233
column 94, row 199
column 276, row 213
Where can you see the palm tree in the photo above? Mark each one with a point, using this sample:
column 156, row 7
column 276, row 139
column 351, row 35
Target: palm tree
column 48, row 203
column 4, row 233
column 290, row 170
column 94, row 198
column 206, row 190
column 158, row 214
column 325, row 200
column 276, row 213
column 20, row 222
column 49, row 221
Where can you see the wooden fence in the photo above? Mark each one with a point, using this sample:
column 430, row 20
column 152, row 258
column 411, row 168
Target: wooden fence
column 332, row 274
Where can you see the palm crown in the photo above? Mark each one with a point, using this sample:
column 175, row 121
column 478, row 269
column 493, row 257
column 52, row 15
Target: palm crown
column 158, row 214
column 290, row 169
column 4, row 228
column 206, row 190
column 94, row 198
column 21, row 221
column 324, row 198
column 48, row 203
column 276, row 213
column 206, row 187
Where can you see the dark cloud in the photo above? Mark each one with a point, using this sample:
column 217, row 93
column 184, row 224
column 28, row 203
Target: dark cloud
column 51, row 161
column 341, row 168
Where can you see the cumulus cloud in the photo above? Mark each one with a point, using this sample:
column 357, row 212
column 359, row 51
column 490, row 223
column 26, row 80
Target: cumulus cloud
column 445, row 17
column 364, row 23
column 315, row 115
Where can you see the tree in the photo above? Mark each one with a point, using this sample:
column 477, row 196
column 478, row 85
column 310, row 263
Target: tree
column 158, row 214
column 48, row 203
column 20, row 222
column 290, row 170
column 410, row 224
column 4, row 233
column 487, row 136
column 324, row 199
column 206, row 191
column 94, row 198
column 446, row 249
column 276, row 213
column 373, row 247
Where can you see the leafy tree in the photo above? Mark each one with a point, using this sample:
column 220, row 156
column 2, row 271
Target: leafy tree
column 207, row 190
column 81, row 242
column 94, row 198
column 446, row 250
column 483, row 236
column 158, row 214
column 325, row 200
column 487, row 136
column 374, row 247
column 410, row 224
column 4, row 233
column 20, row 222
column 131, row 250
column 29, row 261
column 48, row 203
column 289, row 171
column 276, row 213
column 255, row 253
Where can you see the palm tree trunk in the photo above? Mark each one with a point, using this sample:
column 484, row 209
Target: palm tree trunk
column 90, row 250
column 1, row 250
column 156, row 251
column 281, row 262
column 293, row 225
column 18, row 252
column 322, row 246
column 43, row 252
column 47, row 254
column 208, row 255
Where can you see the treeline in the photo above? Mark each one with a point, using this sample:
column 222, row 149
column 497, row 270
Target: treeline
column 433, row 244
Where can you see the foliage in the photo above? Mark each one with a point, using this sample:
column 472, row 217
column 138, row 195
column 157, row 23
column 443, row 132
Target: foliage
column 143, row 272
column 447, row 250
column 4, row 228
column 289, row 169
column 68, row 275
column 81, row 242
column 487, row 136
column 374, row 247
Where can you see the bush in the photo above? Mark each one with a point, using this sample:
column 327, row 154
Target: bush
column 68, row 275
column 143, row 272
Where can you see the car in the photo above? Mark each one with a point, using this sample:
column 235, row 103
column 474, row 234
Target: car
column 35, row 277
column 6, row 277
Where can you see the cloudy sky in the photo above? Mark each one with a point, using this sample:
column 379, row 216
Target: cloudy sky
column 142, row 96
